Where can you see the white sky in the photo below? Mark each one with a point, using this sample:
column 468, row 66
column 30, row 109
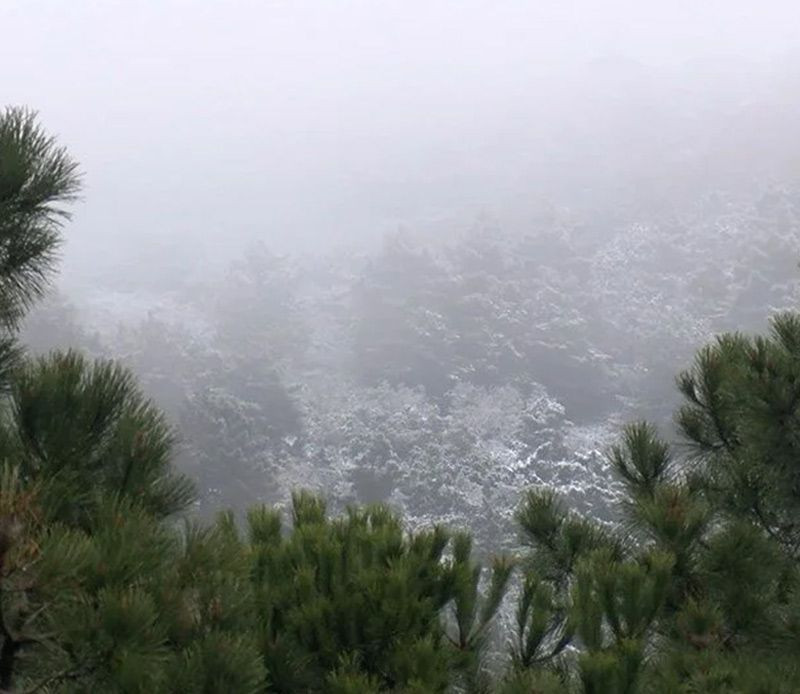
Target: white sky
column 295, row 121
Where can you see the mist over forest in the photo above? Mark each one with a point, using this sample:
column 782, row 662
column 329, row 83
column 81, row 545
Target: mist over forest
column 426, row 254
column 418, row 255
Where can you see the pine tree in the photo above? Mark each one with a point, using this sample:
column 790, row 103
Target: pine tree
column 98, row 590
column 36, row 178
column 356, row 602
column 697, row 588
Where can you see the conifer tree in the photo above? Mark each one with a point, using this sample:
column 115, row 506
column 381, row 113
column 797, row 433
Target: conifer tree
column 36, row 178
column 697, row 587
column 355, row 603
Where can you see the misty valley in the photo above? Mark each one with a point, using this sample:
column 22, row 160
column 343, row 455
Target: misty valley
column 357, row 347
column 453, row 427
column 443, row 378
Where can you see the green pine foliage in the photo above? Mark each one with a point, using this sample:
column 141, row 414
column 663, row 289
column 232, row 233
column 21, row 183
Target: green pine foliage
column 86, row 425
column 358, row 601
column 696, row 588
column 36, row 178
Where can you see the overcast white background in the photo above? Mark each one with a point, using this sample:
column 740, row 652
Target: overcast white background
column 304, row 123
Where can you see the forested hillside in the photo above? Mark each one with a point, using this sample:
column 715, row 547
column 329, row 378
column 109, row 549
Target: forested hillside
column 407, row 469
column 442, row 376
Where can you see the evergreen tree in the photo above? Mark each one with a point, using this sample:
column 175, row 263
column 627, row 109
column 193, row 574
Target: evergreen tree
column 357, row 602
column 97, row 591
column 36, row 178
column 697, row 588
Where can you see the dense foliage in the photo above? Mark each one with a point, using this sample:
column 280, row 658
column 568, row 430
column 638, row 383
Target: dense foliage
column 108, row 582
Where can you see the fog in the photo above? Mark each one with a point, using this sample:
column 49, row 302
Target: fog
column 308, row 123
column 427, row 253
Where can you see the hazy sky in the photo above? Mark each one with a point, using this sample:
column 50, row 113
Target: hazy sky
column 298, row 121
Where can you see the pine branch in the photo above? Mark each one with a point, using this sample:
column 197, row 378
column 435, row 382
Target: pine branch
column 58, row 677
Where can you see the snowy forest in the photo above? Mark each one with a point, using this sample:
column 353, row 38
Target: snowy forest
column 443, row 377
column 480, row 383
column 362, row 350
